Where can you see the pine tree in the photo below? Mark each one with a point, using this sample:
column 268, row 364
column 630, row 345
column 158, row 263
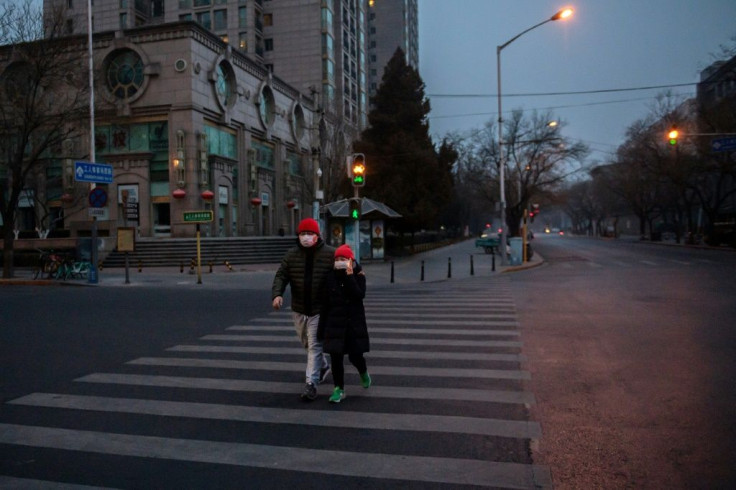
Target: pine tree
column 404, row 169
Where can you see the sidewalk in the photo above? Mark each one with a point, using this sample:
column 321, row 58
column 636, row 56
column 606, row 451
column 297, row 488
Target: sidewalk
column 453, row 260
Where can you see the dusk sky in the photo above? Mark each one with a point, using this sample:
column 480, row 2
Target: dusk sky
column 607, row 44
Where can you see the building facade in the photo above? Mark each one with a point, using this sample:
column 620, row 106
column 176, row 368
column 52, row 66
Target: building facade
column 392, row 24
column 188, row 123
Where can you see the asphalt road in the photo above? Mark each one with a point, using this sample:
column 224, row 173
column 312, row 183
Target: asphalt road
column 632, row 352
column 163, row 384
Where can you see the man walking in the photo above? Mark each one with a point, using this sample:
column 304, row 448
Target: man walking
column 305, row 268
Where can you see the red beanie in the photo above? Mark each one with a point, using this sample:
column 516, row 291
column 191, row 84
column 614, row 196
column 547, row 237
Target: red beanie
column 344, row 251
column 308, row 224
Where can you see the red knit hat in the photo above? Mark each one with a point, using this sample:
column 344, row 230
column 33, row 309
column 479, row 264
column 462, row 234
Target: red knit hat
column 308, row 224
column 344, row 251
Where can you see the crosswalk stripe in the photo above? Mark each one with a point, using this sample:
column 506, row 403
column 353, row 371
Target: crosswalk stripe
column 458, row 394
column 648, row 262
column 372, row 315
column 296, row 366
column 355, row 464
column 418, row 331
column 378, row 341
column 10, row 483
column 272, row 415
column 378, row 354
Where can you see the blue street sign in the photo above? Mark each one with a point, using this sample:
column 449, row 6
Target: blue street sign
column 723, row 144
column 98, row 173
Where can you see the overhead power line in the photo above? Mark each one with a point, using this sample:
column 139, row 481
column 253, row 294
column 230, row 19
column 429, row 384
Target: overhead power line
column 579, row 92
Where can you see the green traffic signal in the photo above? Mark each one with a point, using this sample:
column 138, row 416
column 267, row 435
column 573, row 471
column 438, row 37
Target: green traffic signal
column 355, row 209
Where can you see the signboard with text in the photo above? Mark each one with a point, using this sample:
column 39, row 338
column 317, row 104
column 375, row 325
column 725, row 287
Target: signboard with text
column 97, row 173
column 197, row 216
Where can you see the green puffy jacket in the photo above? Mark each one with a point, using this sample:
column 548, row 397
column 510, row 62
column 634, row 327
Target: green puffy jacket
column 306, row 270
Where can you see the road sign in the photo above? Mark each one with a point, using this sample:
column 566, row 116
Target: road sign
column 98, row 173
column 102, row 214
column 723, row 144
column 197, row 216
column 97, row 197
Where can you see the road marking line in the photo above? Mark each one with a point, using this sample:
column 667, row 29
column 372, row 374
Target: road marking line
column 378, row 341
column 647, row 262
column 421, row 331
column 379, row 354
column 8, row 482
column 399, row 392
column 356, row 464
column 271, row 415
column 296, row 366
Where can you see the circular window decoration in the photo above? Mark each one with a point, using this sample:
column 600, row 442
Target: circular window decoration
column 267, row 106
column 124, row 73
column 225, row 84
column 297, row 122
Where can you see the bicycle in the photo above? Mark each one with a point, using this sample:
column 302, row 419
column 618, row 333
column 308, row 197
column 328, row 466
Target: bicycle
column 48, row 264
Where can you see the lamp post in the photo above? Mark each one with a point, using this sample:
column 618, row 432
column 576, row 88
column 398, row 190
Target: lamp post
column 562, row 14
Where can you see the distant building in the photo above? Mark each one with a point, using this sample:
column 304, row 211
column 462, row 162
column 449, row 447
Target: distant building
column 392, row 24
column 717, row 82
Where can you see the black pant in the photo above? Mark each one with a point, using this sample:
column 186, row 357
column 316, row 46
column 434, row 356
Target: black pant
column 338, row 367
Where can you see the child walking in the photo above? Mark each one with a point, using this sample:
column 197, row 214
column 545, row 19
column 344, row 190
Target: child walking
column 342, row 326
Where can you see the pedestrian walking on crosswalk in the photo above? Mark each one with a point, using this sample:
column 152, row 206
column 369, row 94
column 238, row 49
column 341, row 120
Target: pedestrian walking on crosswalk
column 342, row 325
column 305, row 268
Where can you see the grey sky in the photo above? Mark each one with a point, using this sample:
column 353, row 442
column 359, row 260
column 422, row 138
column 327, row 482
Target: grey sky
column 607, row 44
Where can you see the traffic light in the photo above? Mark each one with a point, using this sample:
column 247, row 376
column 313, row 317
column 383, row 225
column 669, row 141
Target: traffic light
column 534, row 211
column 357, row 174
column 355, row 209
column 672, row 135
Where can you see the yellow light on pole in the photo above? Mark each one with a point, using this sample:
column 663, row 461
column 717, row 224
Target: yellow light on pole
column 563, row 14
column 672, row 136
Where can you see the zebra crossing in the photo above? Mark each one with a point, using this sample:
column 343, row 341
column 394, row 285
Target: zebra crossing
column 448, row 407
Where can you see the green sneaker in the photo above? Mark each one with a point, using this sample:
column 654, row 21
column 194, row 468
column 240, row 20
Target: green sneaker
column 338, row 394
column 365, row 380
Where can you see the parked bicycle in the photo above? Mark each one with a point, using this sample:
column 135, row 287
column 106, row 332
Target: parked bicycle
column 48, row 264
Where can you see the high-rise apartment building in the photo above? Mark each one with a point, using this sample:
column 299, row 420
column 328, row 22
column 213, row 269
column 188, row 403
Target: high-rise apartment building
column 391, row 24
column 317, row 46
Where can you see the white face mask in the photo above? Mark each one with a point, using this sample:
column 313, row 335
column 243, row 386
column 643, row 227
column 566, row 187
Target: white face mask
column 308, row 240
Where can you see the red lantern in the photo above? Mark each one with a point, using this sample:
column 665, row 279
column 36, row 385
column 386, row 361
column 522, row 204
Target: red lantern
column 256, row 201
column 207, row 195
column 179, row 194
column 290, row 204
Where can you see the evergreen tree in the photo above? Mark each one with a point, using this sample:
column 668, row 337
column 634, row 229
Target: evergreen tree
column 403, row 168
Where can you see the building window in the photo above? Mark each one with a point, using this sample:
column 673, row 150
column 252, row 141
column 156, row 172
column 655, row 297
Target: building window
column 185, row 17
column 123, row 4
column 267, row 20
column 185, row 4
column 225, row 84
column 266, row 107
column 243, row 41
column 205, row 19
column 202, row 3
column 124, row 73
column 242, row 18
column 220, row 20
column 268, row 44
column 123, row 21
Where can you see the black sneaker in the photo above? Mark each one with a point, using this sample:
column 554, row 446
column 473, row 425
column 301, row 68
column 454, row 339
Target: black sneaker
column 309, row 393
column 323, row 373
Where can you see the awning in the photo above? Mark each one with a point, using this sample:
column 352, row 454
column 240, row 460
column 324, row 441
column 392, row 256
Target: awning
column 368, row 208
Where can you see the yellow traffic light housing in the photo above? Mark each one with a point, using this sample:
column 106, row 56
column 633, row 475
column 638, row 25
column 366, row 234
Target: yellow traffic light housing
column 357, row 174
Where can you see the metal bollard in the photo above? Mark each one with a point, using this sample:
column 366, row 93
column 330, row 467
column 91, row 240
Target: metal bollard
column 472, row 270
column 181, row 267
column 449, row 267
column 229, row 267
column 210, row 267
column 422, row 277
column 192, row 263
column 99, row 265
column 140, row 266
column 392, row 272
column 493, row 261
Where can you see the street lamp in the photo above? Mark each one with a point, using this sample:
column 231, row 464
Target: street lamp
column 562, row 14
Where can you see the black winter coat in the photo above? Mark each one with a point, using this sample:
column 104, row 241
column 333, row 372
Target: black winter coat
column 342, row 326
column 305, row 269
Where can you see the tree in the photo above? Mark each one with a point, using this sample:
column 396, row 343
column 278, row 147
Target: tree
column 403, row 168
column 538, row 160
column 42, row 95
